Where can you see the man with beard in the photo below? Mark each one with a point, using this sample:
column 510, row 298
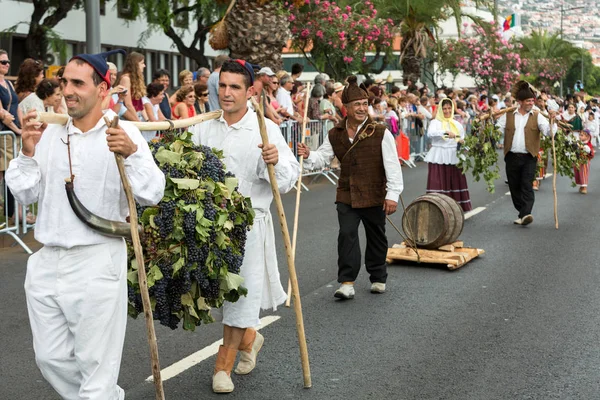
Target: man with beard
column 76, row 285
column 368, row 189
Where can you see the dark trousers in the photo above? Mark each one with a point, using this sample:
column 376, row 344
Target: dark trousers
column 521, row 171
column 349, row 257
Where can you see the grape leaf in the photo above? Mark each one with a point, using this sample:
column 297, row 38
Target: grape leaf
column 189, row 184
column 230, row 282
column 164, row 156
column 178, row 265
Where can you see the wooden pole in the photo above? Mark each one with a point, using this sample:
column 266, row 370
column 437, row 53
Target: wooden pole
column 288, row 249
column 139, row 257
column 62, row 119
column 554, row 176
column 298, row 191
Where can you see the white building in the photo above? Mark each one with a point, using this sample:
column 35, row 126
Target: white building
column 116, row 30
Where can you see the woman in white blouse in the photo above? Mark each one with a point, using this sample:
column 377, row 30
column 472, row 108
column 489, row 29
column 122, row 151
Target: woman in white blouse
column 443, row 175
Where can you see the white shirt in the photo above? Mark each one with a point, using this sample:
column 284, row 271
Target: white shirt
column 393, row 173
column 518, row 143
column 284, row 98
column 443, row 151
column 213, row 91
column 243, row 158
column 32, row 101
column 97, row 182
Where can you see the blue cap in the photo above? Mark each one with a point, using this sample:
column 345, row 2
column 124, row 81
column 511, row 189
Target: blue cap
column 99, row 63
column 249, row 67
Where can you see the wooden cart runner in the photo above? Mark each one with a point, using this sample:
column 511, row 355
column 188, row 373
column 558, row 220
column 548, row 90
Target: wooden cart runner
column 453, row 255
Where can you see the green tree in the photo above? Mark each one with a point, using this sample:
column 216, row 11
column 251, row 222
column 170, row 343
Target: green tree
column 419, row 22
column 591, row 73
column 547, row 57
column 44, row 18
column 176, row 17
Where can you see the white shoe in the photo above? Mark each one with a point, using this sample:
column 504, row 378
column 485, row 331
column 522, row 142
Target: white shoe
column 518, row 221
column 248, row 360
column 378, row 287
column 346, row 292
column 222, row 383
column 526, row 220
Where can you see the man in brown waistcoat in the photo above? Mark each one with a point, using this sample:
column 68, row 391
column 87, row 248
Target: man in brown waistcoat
column 522, row 129
column 368, row 189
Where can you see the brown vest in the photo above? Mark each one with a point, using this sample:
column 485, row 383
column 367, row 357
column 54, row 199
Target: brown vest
column 362, row 180
column 532, row 133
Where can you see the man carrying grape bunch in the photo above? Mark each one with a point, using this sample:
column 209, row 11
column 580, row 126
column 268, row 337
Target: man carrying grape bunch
column 237, row 134
column 76, row 285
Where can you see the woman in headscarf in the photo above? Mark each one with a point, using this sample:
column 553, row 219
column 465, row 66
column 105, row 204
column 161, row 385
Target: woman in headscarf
column 443, row 175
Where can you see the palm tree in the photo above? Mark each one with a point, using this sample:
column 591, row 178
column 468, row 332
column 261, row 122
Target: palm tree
column 542, row 45
column 258, row 31
column 419, row 23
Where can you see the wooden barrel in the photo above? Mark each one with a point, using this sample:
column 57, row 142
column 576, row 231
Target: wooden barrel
column 433, row 220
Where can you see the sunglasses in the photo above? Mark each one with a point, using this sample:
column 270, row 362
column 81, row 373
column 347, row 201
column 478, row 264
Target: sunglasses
column 5, row 62
column 204, row 94
column 275, row 83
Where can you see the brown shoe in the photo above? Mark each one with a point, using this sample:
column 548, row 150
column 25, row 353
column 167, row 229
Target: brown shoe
column 536, row 185
column 222, row 376
column 583, row 190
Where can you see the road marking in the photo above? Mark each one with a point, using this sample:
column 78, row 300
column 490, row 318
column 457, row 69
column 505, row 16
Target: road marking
column 548, row 175
column 476, row 211
column 507, row 194
column 201, row 355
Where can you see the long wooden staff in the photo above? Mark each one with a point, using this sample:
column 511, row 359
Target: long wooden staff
column 298, row 191
column 62, row 119
column 288, row 250
column 139, row 257
column 495, row 114
column 554, row 176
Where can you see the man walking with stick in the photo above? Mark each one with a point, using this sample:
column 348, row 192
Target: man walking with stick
column 237, row 134
column 368, row 189
column 522, row 131
column 76, row 285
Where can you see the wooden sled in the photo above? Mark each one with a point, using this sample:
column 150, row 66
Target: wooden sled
column 453, row 255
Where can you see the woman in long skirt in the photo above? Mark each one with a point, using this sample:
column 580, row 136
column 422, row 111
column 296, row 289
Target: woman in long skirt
column 443, row 175
column 582, row 174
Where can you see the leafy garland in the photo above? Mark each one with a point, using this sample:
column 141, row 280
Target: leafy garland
column 478, row 153
column 193, row 239
column 569, row 153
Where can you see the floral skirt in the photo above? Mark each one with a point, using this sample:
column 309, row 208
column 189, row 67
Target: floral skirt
column 448, row 179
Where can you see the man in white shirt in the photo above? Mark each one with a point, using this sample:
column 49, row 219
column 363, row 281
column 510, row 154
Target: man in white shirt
column 213, row 82
column 368, row 189
column 522, row 129
column 238, row 135
column 76, row 285
column 284, row 96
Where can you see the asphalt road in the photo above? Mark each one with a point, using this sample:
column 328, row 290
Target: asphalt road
column 520, row 322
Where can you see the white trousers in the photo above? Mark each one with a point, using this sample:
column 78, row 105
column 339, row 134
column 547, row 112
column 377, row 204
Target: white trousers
column 77, row 304
column 261, row 276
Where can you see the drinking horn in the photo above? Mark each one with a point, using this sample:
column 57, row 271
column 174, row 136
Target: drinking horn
column 99, row 224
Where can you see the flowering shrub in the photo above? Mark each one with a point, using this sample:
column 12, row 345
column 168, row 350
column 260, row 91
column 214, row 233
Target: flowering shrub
column 337, row 38
column 487, row 57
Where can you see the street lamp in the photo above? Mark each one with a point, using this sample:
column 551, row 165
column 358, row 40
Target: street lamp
column 562, row 16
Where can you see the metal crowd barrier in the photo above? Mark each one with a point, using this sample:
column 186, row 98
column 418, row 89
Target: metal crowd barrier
column 12, row 226
column 315, row 133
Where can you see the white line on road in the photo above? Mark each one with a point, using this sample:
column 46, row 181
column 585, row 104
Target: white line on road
column 507, row 194
column 201, row 355
column 476, row 211
column 548, row 175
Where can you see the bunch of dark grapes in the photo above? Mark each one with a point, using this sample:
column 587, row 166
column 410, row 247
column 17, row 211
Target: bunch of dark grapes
column 210, row 212
column 189, row 228
column 212, row 167
column 172, row 172
column 165, row 218
column 233, row 261
column 135, row 299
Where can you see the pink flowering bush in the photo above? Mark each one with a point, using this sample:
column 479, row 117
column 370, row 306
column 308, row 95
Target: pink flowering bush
column 487, row 57
column 338, row 38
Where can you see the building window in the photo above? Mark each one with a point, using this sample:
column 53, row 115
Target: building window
column 102, row 7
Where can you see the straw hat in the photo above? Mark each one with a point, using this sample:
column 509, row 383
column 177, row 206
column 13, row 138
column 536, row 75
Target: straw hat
column 338, row 87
